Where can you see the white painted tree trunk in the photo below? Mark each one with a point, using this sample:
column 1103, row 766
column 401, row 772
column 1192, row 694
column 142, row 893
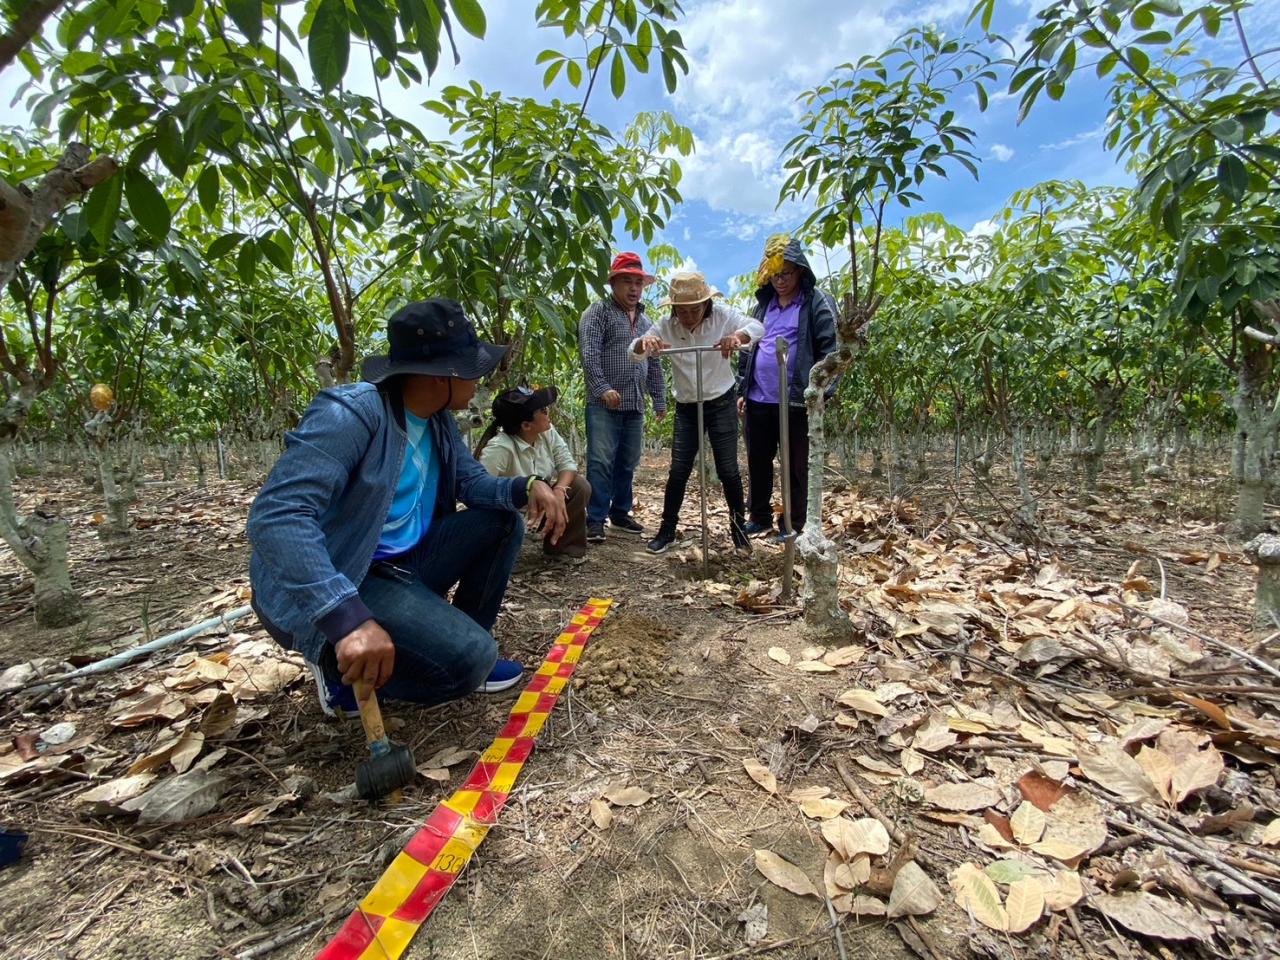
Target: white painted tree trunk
column 39, row 541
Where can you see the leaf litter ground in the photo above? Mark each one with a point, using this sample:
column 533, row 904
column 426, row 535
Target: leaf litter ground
column 1025, row 752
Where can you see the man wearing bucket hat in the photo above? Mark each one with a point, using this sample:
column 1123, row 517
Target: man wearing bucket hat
column 524, row 443
column 616, row 389
column 699, row 319
column 356, row 535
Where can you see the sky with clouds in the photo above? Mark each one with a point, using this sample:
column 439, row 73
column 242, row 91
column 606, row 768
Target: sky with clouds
column 749, row 60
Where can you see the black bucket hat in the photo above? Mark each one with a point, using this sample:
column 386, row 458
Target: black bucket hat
column 513, row 407
column 433, row 338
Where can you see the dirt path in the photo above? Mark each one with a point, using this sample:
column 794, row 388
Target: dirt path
column 685, row 684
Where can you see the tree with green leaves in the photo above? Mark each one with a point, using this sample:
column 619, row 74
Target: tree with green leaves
column 869, row 138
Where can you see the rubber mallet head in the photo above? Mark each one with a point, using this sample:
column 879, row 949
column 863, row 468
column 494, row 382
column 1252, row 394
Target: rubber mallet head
column 390, row 765
column 384, row 774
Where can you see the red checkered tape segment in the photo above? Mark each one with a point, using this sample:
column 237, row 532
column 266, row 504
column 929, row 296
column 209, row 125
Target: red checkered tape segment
column 422, row 873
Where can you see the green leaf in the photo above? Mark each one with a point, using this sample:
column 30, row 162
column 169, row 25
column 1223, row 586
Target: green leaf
column 379, row 25
column 223, row 245
column 181, row 8
column 102, row 209
column 329, row 43
column 278, row 256
column 1138, row 59
column 247, row 15
column 207, row 188
column 146, row 203
column 552, row 72
column 247, row 262
column 1232, row 177
column 573, row 72
column 617, row 75
column 470, row 15
column 668, row 73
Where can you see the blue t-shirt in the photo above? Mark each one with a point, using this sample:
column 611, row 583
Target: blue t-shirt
column 414, row 503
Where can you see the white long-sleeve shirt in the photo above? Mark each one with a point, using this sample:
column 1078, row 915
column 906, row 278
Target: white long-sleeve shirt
column 717, row 372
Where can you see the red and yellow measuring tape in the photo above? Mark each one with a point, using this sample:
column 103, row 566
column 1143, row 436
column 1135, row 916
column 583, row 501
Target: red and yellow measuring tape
column 382, row 925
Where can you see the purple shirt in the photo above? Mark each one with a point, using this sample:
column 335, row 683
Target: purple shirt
column 778, row 322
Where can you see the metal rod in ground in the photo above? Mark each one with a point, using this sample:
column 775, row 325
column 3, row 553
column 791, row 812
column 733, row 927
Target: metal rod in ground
column 784, row 459
column 702, row 466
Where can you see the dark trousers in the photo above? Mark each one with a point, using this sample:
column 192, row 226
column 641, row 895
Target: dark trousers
column 761, row 433
column 720, row 422
column 573, row 542
column 443, row 650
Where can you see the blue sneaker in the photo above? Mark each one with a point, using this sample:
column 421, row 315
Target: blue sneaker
column 504, row 675
column 753, row 529
column 334, row 697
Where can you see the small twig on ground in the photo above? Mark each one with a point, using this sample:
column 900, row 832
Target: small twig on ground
column 1214, row 641
column 1163, row 832
column 835, row 928
column 867, row 804
column 286, row 937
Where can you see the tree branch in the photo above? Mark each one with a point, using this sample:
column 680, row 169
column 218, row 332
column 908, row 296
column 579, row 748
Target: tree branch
column 25, row 28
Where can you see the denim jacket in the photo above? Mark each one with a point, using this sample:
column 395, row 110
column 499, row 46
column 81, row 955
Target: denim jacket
column 316, row 521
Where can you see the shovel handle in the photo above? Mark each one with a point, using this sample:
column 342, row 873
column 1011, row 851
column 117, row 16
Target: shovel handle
column 370, row 715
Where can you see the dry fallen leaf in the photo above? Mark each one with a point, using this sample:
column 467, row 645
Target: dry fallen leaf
column 1028, row 823
column 815, row 666
column 107, row 798
column 863, row 701
column 1153, row 916
column 601, row 814
column 186, row 750
column 840, row 877
column 822, row 808
column 758, row 772
column 912, row 761
column 780, row 655
column 1024, row 905
column 1041, row 790
column 844, row 656
column 973, row 795
column 785, row 874
column 1063, row 890
column 184, row 797
column 1198, row 771
column 976, row 894
column 800, row 794
column 1159, row 768
column 628, row 796
column 1114, row 770
column 852, row 837
column 914, row 894
column 1271, row 836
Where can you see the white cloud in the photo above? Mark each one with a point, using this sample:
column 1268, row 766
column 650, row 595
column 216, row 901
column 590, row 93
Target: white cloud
column 1000, row 153
column 736, row 171
column 1084, row 136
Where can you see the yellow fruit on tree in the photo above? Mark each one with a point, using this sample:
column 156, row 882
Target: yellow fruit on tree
column 1062, row 374
column 101, row 396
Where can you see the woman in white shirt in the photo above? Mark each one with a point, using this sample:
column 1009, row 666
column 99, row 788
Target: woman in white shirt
column 698, row 318
column 526, row 444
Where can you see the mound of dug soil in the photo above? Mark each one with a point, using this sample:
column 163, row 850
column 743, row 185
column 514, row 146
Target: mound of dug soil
column 627, row 653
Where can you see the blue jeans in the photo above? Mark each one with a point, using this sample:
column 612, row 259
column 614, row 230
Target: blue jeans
column 443, row 650
column 614, row 440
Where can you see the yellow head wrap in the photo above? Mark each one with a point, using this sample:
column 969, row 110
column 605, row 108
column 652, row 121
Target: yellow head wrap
column 772, row 262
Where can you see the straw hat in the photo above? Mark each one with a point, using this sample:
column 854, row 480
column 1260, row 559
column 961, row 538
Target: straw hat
column 687, row 289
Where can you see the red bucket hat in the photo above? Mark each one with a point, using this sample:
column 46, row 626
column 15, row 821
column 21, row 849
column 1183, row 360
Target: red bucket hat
column 629, row 264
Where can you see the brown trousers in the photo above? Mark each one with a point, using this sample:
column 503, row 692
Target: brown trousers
column 573, row 542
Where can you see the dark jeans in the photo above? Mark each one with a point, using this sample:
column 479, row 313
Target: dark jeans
column 443, row 650
column 761, row 433
column 720, row 422
column 614, row 440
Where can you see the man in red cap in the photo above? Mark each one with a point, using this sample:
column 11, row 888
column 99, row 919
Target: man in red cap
column 616, row 388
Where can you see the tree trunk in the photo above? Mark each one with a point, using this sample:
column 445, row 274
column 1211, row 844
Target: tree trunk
column 40, row 544
column 1026, row 521
column 1255, row 422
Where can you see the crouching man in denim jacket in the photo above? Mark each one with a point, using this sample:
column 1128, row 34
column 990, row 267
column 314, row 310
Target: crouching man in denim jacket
column 356, row 534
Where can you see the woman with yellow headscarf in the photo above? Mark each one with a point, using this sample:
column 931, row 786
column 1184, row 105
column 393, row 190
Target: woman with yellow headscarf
column 790, row 305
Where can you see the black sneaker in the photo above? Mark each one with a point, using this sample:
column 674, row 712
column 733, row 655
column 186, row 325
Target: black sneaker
column 595, row 533
column 741, row 545
column 625, row 524
column 665, row 538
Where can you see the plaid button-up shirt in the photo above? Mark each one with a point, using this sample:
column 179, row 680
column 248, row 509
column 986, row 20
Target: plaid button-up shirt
column 605, row 333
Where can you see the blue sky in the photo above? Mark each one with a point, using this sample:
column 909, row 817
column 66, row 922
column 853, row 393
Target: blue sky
column 749, row 59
